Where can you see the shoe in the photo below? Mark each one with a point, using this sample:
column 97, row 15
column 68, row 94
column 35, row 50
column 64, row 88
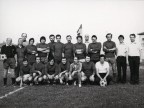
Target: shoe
column 75, row 83
column 79, row 85
column 67, row 84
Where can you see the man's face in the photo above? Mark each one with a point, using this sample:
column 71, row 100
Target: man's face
column 24, row 36
column 94, row 39
column 52, row 38
column 69, row 39
column 75, row 60
column 38, row 59
column 87, row 59
column 25, row 63
column 109, row 37
column 9, row 41
column 121, row 40
column 87, row 38
column 20, row 41
column 132, row 38
column 31, row 42
column 43, row 41
column 51, row 62
column 79, row 40
column 58, row 39
column 64, row 61
column 102, row 59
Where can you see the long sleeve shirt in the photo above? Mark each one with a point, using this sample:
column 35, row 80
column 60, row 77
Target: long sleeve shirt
column 25, row 70
column 28, row 50
column 20, row 50
column 80, row 50
column 92, row 48
column 52, row 69
column 75, row 67
column 64, row 67
column 38, row 67
column 68, row 51
column 88, row 68
column 109, row 45
column 58, row 50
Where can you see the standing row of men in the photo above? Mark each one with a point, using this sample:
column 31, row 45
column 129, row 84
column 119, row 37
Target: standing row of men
column 120, row 54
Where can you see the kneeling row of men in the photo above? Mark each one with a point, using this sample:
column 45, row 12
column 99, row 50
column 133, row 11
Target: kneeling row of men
column 65, row 73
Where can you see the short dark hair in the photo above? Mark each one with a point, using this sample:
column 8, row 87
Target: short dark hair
column 58, row 35
column 63, row 57
column 42, row 38
column 94, row 36
column 68, row 36
column 79, row 37
column 87, row 55
column 25, row 59
column 121, row 36
column 52, row 35
column 31, row 39
column 133, row 35
column 108, row 34
column 102, row 55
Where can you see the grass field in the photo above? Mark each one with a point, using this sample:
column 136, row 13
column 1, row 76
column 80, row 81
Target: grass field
column 60, row 96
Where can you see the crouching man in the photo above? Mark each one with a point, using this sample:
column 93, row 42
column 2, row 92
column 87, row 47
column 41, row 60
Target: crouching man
column 75, row 71
column 102, row 70
column 52, row 70
column 38, row 72
column 88, row 71
column 25, row 73
column 64, row 69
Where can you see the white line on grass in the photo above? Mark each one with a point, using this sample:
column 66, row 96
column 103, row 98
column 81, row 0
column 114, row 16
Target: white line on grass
column 10, row 93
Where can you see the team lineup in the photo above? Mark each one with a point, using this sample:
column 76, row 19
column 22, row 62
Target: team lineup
column 78, row 64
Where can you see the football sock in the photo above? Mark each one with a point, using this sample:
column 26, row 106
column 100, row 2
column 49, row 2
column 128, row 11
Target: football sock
column 5, row 81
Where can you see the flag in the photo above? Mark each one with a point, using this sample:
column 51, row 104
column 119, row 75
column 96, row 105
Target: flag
column 79, row 31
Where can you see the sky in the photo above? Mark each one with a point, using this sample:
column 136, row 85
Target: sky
column 44, row 17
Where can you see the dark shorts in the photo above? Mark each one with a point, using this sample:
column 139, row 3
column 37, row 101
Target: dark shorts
column 10, row 62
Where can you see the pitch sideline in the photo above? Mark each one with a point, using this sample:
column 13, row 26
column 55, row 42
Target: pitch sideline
column 12, row 92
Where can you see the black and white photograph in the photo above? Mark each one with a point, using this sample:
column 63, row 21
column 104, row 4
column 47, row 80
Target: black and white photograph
column 71, row 53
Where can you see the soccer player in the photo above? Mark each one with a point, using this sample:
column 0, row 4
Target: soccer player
column 31, row 51
column 25, row 73
column 80, row 49
column 122, row 59
column 20, row 52
column 94, row 49
column 52, row 71
column 68, row 49
column 58, row 49
column 52, row 42
column 9, row 51
column 109, row 47
column 38, row 71
column 25, row 42
column 102, row 70
column 64, row 67
column 134, row 58
column 43, row 49
column 88, row 71
column 75, row 71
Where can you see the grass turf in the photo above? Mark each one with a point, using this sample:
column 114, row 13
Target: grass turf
column 89, row 96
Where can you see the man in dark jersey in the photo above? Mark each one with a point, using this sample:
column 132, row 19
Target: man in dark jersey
column 58, row 49
column 25, row 73
column 88, row 71
column 52, row 71
column 80, row 49
column 38, row 71
column 43, row 49
column 68, row 49
column 52, row 42
column 94, row 49
column 64, row 67
column 31, row 51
